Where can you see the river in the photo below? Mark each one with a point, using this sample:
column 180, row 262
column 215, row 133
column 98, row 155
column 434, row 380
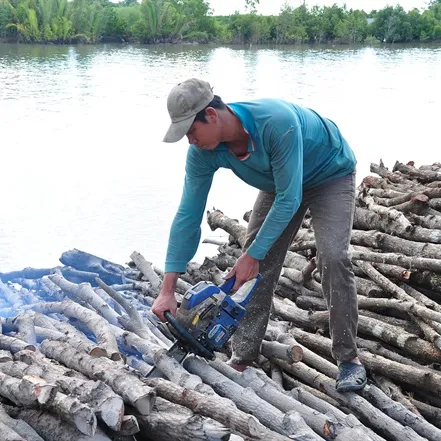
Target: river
column 83, row 163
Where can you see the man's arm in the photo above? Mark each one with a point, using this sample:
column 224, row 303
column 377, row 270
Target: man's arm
column 185, row 232
column 285, row 141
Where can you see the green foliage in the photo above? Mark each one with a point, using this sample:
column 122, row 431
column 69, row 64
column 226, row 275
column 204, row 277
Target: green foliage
column 6, row 17
column 172, row 21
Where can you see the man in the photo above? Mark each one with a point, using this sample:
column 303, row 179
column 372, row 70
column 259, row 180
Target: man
column 298, row 160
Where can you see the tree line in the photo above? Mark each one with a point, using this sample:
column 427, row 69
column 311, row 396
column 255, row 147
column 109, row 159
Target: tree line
column 175, row 21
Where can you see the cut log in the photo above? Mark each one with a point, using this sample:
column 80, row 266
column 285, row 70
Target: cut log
column 290, row 353
column 388, row 243
column 26, row 391
column 360, row 406
column 216, row 219
column 171, row 422
column 84, row 293
column 98, row 325
column 51, row 428
column 268, row 391
column 147, row 270
column 9, row 434
column 393, row 391
column 429, row 380
column 5, row 356
column 246, row 399
column 106, row 404
column 108, row 271
column 125, row 384
column 19, row 426
column 215, row 407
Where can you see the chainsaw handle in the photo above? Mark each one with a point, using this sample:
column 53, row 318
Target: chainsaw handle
column 227, row 286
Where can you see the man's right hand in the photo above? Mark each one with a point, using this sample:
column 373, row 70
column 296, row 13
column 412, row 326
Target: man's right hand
column 164, row 302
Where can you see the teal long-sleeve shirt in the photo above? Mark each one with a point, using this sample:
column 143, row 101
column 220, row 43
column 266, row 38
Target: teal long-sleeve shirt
column 291, row 148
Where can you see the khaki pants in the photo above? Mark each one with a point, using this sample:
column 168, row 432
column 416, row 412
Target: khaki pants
column 332, row 210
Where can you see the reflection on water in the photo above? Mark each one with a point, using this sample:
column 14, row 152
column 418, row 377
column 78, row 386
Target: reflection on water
column 83, row 164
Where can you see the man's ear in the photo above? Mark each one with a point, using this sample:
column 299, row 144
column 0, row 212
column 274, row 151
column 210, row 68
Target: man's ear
column 211, row 114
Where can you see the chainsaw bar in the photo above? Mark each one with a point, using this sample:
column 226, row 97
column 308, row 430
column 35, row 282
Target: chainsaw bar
column 177, row 352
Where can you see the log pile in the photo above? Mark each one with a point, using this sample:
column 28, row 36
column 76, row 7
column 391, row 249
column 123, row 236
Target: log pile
column 77, row 341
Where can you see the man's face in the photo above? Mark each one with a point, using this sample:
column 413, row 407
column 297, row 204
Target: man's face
column 205, row 135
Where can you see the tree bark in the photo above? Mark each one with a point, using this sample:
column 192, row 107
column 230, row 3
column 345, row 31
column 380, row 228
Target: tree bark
column 421, row 377
column 358, row 405
column 220, row 409
column 84, row 292
column 125, row 384
column 388, row 243
column 290, row 353
column 393, row 391
column 98, row 325
column 51, row 428
column 361, row 253
column 147, row 271
column 268, row 391
column 19, row 426
column 246, row 399
column 171, row 422
column 216, row 219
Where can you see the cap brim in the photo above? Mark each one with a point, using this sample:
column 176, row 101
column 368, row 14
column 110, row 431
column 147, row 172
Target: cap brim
column 178, row 130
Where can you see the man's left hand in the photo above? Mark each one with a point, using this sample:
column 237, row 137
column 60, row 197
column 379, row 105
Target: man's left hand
column 246, row 268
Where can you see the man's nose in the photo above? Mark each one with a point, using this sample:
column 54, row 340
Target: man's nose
column 191, row 139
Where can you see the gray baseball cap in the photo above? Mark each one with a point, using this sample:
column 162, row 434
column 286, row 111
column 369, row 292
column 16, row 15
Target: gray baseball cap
column 184, row 102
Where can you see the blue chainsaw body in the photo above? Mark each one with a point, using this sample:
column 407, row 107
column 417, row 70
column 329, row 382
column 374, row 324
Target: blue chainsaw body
column 208, row 316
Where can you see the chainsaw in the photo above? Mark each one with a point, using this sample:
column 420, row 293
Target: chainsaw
column 207, row 318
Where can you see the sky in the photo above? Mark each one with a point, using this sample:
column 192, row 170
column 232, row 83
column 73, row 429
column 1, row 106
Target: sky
column 267, row 7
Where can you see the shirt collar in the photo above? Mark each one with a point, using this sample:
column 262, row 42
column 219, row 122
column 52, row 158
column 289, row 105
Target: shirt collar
column 247, row 123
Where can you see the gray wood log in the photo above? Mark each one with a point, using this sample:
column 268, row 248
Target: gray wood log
column 171, row 422
column 84, row 293
column 147, row 270
column 268, row 391
column 376, row 347
column 394, row 391
column 51, row 428
column 408, row 262
column 429, row 221
column 107, row 405
column 19, row 426
column 422, row 377
column 9, row 434
column 358, row 405
column 97, row 324
column 14, row 345
column 431, row 413
column 292, row 353
column 26, row 391
column 389, row 243
column 176, row 373
column 368, row 220
column 125, row 384
column 246, row 399
column 220, row 409
column 135, row 318
column 401, row 414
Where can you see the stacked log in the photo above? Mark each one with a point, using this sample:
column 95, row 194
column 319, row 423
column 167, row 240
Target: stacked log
column 78, row 341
